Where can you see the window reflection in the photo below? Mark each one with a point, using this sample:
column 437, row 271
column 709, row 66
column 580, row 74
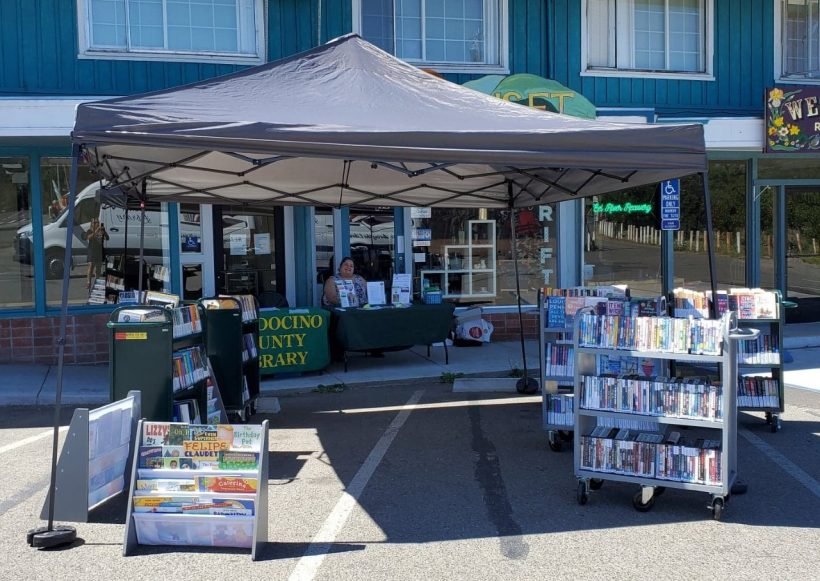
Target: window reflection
column 16, row 268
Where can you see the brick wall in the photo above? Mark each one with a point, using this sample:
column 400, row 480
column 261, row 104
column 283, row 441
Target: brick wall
column 34, row 340
column 506, row 327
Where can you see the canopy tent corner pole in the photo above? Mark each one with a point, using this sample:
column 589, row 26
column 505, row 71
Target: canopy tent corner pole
column 142, row 236
column 51, row 536
column 710, row 240
column 525, row 384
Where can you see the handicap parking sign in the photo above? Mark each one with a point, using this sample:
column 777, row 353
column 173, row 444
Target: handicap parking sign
column 670, row 204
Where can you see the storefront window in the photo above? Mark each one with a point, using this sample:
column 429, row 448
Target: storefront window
column 16, row 267
column 54, row 186
column 372, row 243
column 727, row 186
column 106, row 244
column 623, row 242
column 467, row 253
column 789, row 168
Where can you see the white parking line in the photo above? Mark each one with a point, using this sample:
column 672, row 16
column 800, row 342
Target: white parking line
column 29, row 440
column 790, row 467
column 315, row 554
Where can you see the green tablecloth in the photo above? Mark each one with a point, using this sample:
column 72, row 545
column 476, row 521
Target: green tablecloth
column 391, row 327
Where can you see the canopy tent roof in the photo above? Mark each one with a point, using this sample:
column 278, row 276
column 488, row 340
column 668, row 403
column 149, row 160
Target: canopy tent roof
column 348, row 124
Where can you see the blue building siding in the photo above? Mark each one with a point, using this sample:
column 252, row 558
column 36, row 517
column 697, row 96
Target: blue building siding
column 742, row 66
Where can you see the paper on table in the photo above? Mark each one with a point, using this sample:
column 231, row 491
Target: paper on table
column 401, row 291
column 375, row 293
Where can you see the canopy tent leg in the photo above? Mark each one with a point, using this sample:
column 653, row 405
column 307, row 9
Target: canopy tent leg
column 525, row 384
column 710, row 241
column 51, row 536
column 142, row 236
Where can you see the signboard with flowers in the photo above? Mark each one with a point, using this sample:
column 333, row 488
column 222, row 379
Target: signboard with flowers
column 792, row 119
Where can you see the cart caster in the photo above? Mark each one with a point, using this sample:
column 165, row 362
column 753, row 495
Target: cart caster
column 554, row 441
column 774, row 423
column 768, row 417
column 595, row 483
column 582, row 492
column 641, row 505
column 717, row 508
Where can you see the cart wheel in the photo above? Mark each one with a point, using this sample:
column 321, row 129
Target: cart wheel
column 582, row 492
column 768, row 417
column 717, row 508
column 595, row 483
column 554, row 441
column 775, row 423
column 637, row 502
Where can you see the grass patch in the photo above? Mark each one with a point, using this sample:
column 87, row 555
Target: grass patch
column 335, row 388
column 448, row 377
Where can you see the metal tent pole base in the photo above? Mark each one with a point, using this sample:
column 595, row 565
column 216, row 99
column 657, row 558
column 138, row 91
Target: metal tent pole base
column 43, row 538
column 526, row 385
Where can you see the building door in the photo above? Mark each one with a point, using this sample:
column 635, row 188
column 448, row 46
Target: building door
column 249, row 253
column 802, row 257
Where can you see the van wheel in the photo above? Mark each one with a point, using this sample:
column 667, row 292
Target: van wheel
column 54, row 264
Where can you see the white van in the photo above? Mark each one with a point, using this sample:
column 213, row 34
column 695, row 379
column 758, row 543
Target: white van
column 88, row 205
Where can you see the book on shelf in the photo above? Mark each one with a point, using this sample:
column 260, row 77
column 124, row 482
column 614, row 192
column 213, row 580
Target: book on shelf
column 139, row 315
column 160, row 299
column 157, row 433
column 151, row 485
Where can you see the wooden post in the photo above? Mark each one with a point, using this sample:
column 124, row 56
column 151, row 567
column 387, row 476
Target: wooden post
column 717, row 240
column 799, row 245
column 737, row 239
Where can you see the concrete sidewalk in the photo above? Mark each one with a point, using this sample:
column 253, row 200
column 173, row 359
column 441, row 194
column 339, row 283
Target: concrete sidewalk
column 89, row 385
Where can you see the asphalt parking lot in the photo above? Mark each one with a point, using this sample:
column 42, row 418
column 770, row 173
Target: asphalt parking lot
column 409, row 481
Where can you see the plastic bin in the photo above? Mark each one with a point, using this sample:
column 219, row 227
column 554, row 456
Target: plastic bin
column 432, row 297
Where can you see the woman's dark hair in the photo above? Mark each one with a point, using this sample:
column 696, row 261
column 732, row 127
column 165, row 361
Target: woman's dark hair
column 345, row 259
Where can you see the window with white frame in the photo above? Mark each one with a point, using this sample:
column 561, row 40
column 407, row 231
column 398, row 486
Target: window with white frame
column 799, row 44
column 212, row 30
column 448, row 34
column 648, row 36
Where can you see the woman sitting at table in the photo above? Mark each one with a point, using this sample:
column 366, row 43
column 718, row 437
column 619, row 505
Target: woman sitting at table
column 330, row 298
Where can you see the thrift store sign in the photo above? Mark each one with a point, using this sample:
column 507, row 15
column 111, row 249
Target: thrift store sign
column 792, row 119
column 293, row 340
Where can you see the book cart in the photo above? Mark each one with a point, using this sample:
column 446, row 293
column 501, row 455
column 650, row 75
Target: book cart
column 760, row 385
column 198, row 485
column 760, row 362
column 555, row 351
column 159, row 352
column 231, row 329
column 705, row 460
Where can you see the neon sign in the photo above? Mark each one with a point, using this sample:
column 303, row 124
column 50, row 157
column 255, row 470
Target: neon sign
column 627, row 208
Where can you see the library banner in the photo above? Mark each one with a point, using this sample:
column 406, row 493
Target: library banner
column 792, row 119
column 293, row 340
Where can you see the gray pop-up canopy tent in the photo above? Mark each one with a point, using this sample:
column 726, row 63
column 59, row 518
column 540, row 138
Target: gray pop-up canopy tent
column 348, row 124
